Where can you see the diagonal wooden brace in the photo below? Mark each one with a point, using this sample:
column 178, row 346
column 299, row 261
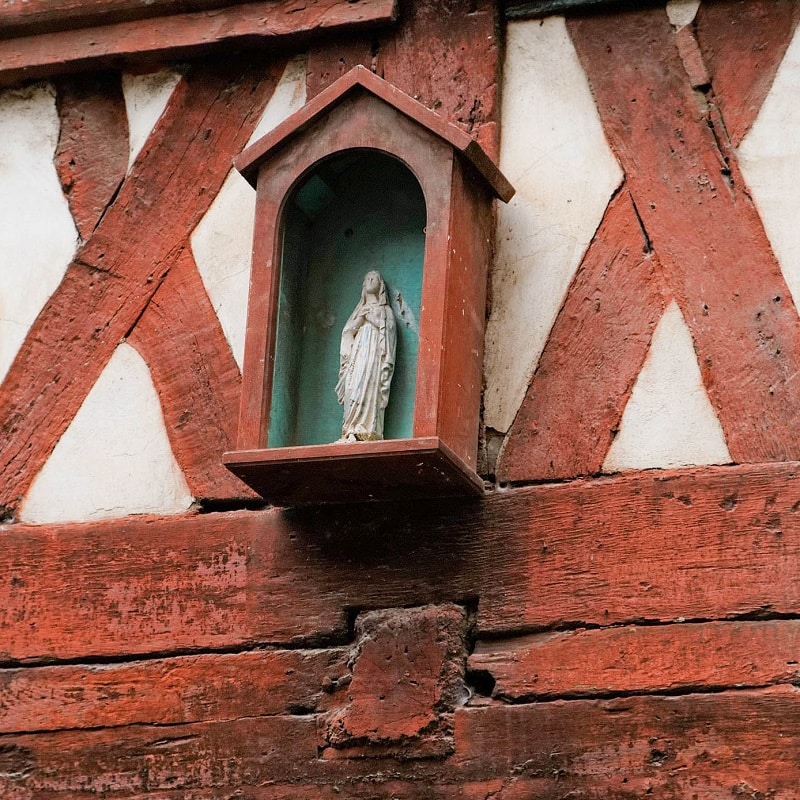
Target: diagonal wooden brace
column 704, row 228
column 114, row 275
column 576, row 398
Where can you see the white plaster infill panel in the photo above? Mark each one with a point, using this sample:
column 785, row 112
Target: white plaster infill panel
column 222, row 243
column 669, row 420
column 115, row 457
column 769, row 158
column 146, row 97
column 289, row 96
column 554, row 152
column 37, row 233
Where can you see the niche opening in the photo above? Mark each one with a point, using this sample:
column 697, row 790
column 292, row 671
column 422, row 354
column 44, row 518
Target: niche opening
column 353, row 212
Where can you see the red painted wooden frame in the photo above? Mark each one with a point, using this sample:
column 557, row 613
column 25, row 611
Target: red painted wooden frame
column 55, row 37
column 458, row 180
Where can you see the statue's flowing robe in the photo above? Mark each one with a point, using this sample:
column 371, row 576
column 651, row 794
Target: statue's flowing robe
column 368, row 353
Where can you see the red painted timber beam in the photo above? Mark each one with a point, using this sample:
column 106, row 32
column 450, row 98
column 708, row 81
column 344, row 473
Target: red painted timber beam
column 574, row 404
column 709, row 543
column 167, row 691
column 743, row 43
column 197, row 379
column 709, row 239
column 175, row 36
column 45, row 16
column 636, row 659
column 727, row 744
column 92, row 154
column 443, row 54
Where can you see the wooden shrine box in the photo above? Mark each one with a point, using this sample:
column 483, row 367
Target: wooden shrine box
column 362, row 178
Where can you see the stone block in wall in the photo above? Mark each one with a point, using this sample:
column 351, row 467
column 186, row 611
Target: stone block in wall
column 407, row 679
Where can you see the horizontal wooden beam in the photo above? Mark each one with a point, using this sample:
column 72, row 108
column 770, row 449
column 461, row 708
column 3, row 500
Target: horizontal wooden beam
column 710, row 543
column 597, row 663
column 736, row 744
column 168, row 691
column 184, row 35
column 45, row 16
column 635, row 659
column 731, row 744
column 530, row 9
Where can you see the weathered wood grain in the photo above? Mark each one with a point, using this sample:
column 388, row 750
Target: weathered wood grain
column 120, row 762
column 182, row 35
column 44, row 16
column 743, row 43
column 444, row 54
column 407, row 678
column 635, row 659
column 705, row 230
column 211, row 114
column 197, row 379
column 705, row 543
column 673, row 747
column 376, row 787
column 733, row 744
column 329, row 61
column 168, row 691
column 574, row 404
column 92, row 153
column 155, row 589
column 379, row 787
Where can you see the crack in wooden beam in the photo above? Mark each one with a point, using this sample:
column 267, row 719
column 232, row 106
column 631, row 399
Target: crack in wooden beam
column 743, row 43
column 92, row 153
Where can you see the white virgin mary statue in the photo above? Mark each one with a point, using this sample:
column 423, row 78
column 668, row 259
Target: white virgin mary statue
column 367, row 351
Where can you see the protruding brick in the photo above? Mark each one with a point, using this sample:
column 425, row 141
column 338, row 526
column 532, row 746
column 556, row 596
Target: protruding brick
column 408, row 675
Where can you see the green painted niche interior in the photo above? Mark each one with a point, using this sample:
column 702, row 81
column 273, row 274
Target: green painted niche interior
column 354, row 212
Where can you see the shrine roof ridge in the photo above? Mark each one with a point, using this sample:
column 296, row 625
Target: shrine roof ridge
column 249, row 160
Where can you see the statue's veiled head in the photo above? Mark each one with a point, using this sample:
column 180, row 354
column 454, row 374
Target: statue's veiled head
column 374, row 285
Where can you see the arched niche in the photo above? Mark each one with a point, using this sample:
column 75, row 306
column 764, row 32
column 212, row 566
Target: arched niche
column 362, row 178
column 354, row 211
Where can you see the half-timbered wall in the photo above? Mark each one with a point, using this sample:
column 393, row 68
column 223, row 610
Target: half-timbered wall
column 616, row 618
